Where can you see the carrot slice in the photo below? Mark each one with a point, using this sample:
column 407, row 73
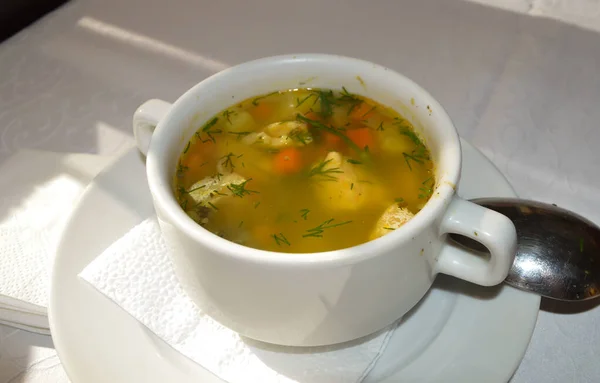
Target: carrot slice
column 312, row 115
column 262, row 111
column 288, row 161
column 193, row 160
column 362, row 137
column 331, row 140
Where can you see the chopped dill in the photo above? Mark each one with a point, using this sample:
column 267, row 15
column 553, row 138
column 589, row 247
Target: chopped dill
column 239, row 190
column 320, row 170
column 317, row 231
column 227, row 114
column 350, row 99
column 380, row 127
column 301, row 136
column 241, row 223
column 257, row 99
column 307, row 81
column 352, row 186
column 239, row 135
column 319, row 125
column 181, row 169
column 256, row 204
column 304, row 213
column 400, row 121
column 302, row 101
column 187, row 147
column 389, row 228
column 400, row 202
column 184, row 205
column 327, row 101
column 228, row 163
column 210, row 124
column 412, row 157
column 280, row 238
column 207, row 128
column 212, row 205
column 427, row 188
column 183, row 191
column 412, row 135
column 354, row 162
column 425, row 192
column 370, row 110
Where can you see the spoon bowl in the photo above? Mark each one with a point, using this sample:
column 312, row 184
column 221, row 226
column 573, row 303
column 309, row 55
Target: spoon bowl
column 558, row 251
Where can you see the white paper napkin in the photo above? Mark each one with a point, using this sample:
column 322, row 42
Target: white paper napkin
column 39, row 190
column 136, row 273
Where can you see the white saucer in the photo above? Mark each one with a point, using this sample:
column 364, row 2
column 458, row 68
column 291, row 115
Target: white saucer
column 458, row 333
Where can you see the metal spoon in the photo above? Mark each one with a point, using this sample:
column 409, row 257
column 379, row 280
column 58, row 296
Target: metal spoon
column 558, row 251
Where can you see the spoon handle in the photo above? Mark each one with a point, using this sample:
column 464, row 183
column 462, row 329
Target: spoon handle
column 557, row 253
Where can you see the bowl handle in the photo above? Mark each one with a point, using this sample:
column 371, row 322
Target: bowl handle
column 145, row 120
column 488, row 227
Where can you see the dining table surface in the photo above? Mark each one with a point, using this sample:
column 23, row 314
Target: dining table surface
column 519, row 78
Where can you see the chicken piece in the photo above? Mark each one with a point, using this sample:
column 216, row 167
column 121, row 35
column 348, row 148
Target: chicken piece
column 337, row 184
column 281, row 134
column 280, row 129
column 210, row 190
column 391, row 219
column 206, row 194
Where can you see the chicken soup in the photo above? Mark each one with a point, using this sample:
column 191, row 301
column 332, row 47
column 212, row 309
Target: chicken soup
column 304, row 170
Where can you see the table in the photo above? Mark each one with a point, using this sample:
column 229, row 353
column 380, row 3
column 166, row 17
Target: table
column 523, row 88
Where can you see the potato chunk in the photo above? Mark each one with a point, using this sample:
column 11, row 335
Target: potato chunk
column 240, row 121
column 337, row 184
column 391, row 219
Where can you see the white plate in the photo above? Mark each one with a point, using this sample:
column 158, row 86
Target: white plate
column 458, row 333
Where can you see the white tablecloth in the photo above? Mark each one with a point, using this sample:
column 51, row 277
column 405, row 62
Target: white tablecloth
column 520, row 78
